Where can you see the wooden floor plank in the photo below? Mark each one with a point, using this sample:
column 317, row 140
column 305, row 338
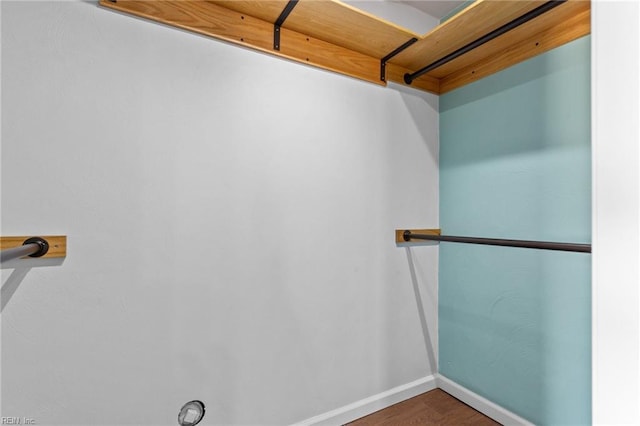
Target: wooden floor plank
column 435, row 407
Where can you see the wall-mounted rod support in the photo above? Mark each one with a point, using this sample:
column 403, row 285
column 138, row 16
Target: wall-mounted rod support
column 543, row 245
column 383, row 61
column 33, row 247
column 408, row 78
column 276, row 27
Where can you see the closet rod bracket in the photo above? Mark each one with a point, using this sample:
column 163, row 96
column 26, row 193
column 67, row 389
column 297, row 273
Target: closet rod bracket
column 383, row 61
column 276, row 26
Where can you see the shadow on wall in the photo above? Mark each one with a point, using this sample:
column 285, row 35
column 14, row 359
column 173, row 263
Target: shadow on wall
column 549, row 120
column 533, row 69
column 414, row 101
column 428, row 340
column 21, row 270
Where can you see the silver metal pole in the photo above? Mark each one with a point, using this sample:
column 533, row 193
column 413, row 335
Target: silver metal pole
column 17, row 252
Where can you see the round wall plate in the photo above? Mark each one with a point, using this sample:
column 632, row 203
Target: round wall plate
column 191, row 413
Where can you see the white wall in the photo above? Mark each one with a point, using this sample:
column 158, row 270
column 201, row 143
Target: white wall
column 616, row 212
column 230, row 220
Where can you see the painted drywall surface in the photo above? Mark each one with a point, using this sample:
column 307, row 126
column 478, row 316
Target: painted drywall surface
column 616, row 212
column 230, row 219
column 402, row 14
column 456, row 10
column 515, row 162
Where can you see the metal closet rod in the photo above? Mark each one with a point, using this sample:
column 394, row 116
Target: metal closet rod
column 408, row 78
column 543, row 245
column 32, row 247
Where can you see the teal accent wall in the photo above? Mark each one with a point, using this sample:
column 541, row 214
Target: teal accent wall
column 515, row 162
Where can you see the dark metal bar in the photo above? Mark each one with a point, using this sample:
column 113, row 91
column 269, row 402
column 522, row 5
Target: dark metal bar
column 283, row 16
column 383, row 61
column 543, row 245
column 408, row 78
column 33, row 247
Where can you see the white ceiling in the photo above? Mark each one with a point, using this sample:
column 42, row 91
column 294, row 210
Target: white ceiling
column 397, row 12
column 435, row 8
column 419, row 16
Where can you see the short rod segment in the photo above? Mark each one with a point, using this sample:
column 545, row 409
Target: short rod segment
column 18, row 252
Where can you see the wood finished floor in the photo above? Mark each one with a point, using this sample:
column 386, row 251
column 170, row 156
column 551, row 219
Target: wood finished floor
column 435, row 407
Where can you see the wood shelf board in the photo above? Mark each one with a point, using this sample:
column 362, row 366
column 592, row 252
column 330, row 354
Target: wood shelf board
column 210, row 19
column 473, row 22
column 331, row 21
column 547, row 23
column 199, row 17
column 321, row 54
column 268, row 10
column 332, row 35
column 345, row 26
column 57, row 244
column 570, row 23
column 400, row 232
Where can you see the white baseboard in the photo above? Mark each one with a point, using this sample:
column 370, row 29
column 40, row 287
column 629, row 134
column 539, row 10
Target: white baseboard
column 372, row 404
column 386, row 399
column 486, row 407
